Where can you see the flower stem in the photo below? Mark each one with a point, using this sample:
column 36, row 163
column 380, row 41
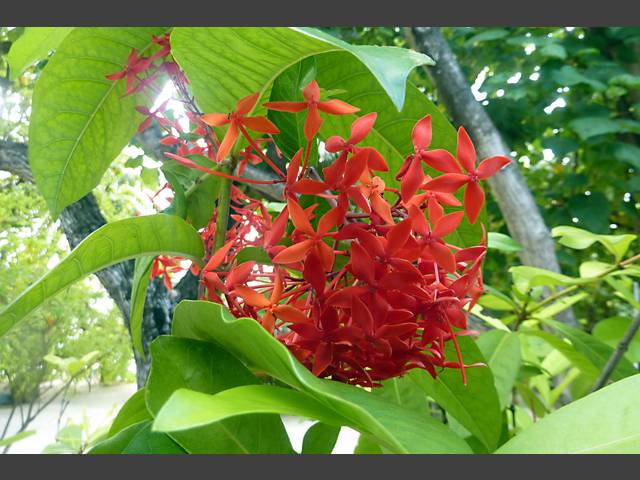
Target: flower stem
column 224, row 200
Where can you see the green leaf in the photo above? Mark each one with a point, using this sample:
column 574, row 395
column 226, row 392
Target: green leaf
column 72, row 365
column 33, row 45
column 5, row 442
column 253, row 253
column 578, row 359
column 611, row 330
column 527, row 277
column 118, row 442
column 554, row 50
column 266, row 52
column 607, row 421
column 486, row 36
column 475, row 405
column 180, row 363
column 367, row 446
column 405, row 393
column 200, row 204
column 596, row 351
column 133, row 411
column 80, row 120
column 141, row 279
column 188, row 409
column 502, row 351
column 500, row 241
column 401, row 431
column 569, row 77
column 110, row 244
column 580, row 239
column 494, row 302
column 146, row 442
column 587, row 127
column 320, row 439
column 560, row 305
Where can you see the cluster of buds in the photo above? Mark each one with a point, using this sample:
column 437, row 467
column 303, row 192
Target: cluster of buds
column 365, row 283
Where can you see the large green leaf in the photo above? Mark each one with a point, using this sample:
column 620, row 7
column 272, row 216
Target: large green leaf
column 501, row 349
column 401, row 431
column 112, row 243
column 146, row 442
column 475, row 405
column 607, row 421
column 611, row 330
column 80, row 120
column 595, row 350
column 225, row 64
column 180, row 363
column 33, row 45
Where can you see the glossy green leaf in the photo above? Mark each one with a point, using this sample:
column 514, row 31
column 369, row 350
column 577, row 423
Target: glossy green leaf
column 494, row 302
column 254, row 56
column 502, row 352
column 526, row 277
column 320, row 438
column 560, row 305
column 611, row 330
column 180, row 363
column 595, row 350
column 111, row 243
column 475, row 405
column 133, row 411
column 257, row 254
column 500, row 241
column 580, row 239
column 80, row 120
column 405, row 393
column 146, row 442
column 607, row 421
column 117, row 442
column 401, row 431
column 33, row 45
column 367, row 446
column 187, row 409
column 578, row 359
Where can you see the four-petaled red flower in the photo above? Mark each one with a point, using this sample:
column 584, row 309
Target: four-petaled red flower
column 453, row 178
column 312, row 103
column 238, row 121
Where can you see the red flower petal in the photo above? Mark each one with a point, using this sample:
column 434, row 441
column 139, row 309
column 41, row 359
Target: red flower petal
column 217, row 258
column 215, row 119
column 294, row 253
column 290, row 314
column 447, row 224
column 337, row 107
column 311, row 92
column 447, row 183
column 313, row 123
column 466, row 152
column 421, row 133
column 260, row 124
column 397, row 236
column 286, row 106
column 412, row 180
column 251, row 297
column 246, row 104
column 473, row 201
column 491, row 165
column 227, row 142
column 299, row 217
column 335, row 144
column 361, row 127
column 441, row 160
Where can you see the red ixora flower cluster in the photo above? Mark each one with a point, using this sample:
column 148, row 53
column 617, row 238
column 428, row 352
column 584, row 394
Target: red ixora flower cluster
column 362, row 281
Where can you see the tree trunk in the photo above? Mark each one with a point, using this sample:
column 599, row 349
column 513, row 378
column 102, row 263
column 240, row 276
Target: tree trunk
column 520, row 211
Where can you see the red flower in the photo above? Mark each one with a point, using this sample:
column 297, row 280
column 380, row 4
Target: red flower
column 453, row 178
column 312, row 103
column 135, row 66
column 238, row 121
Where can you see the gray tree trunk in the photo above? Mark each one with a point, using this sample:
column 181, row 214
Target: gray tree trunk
column 520, row 211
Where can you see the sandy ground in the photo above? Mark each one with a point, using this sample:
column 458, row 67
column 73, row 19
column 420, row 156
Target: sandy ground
column 100, row 405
